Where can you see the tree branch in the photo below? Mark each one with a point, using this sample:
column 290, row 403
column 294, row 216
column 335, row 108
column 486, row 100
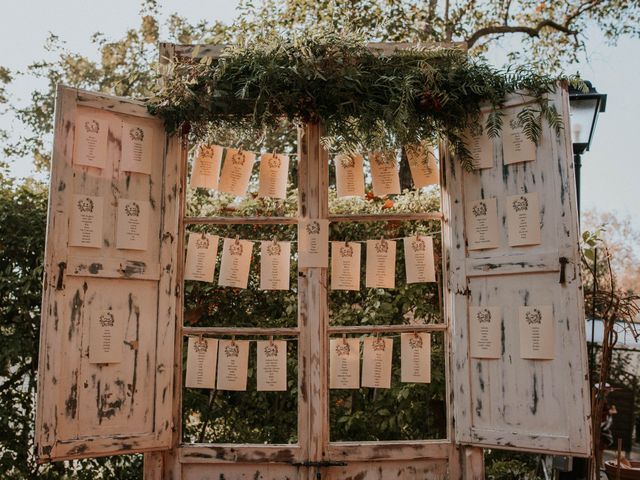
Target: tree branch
column 531, row 31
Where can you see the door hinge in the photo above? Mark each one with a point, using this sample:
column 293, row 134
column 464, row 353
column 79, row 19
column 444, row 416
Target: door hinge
column 563, row 267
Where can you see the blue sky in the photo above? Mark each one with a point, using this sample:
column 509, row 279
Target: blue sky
column 610, row 170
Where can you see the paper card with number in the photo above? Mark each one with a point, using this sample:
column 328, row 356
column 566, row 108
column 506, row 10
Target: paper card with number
column 418, row 257
column 85, row 221
column 376, row 362
column 349, row 175
column 202, row 357
column 137, row 144
column 132, row 228
column 537, row 339
column 384, row 173
column 313, row 243
column 235, row 263
column 516, row 147
column 423, row 166
column 480, row 146
column 272, row 365
column 106, row 337
column 415, row 357
column 344, row 363
column 274, row 171
column 484, row 332
column 202, row 252
column 90, row 142
column 275, row 265
column 233, row 360
column 381, row 264
column 523, row 219
column 206, row 166
column 236, row 171
column 345, row 266
column 482, row 224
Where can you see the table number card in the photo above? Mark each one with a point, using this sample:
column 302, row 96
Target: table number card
column 233, row 360
column 202, row 357
column 90, row 145
column 418, row 257
column 376, row 362
column 235, row 263
column 85, row 221
column 537, row 340
column 274, row 171
column 423, row 166
column 236, row 171
column 137, row 142
column 206, row 166
column 344, row 363
column 313, row 243
column 349, row 175
column 275, row 265
column 381, row 264
column 345, row 266
column 106, row 337
column 480, row 146
column 202, row 252
column 516, row 147
column 482, row 224
column 384, row 173
column 484, row 331
column 523, row 219
column 415, row 357
column 272, row 365
column 132, row 229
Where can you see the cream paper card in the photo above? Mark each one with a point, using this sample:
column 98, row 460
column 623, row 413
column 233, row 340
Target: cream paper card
column 381, row 264
column 482, row 224
column 384, row 173
column 85, row 221
column 344, row 363
column 415, row 357
column 233, row 359
column 106, row 338
column 236, row 171
column 523, row 219
column 418, row 257
column 202, row 356
column 480, row 147
column 206, row 166
column 132, row 229
column 202, row 252
column 274, row 170
column 137, row 142
column 376, row 362
column 484, row 331
column 345, row 266
column 516, row 147
column 423, row 166
column 275, row 265
column 349, row 175
column 313, row 243
column 537, row 339
column 235, row 263
column 90, row 144
column 272, row 365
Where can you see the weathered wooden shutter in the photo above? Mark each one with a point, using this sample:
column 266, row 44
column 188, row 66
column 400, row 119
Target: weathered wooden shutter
column 93, row 409
column 512, row 402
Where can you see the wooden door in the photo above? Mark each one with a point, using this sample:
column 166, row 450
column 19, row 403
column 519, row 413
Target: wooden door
column 90, row 405
column 511, row 401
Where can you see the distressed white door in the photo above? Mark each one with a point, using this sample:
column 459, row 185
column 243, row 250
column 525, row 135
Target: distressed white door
column 92, row 409
column 513, row 402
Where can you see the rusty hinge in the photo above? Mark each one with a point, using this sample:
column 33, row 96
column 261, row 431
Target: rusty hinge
column 563, row 266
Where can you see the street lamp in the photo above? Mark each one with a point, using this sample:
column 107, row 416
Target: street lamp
column 584, row 110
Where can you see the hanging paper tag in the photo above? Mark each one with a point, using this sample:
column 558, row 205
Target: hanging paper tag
column 381, row 264
column 90, row 143
column 516, row 147
column 106, row 337
column 236, row 171
column 275, row 265
column 423, row 166
column 384, row 173
column 202, row 252
column 344, row 363
column 132, row 229
column 418, row 257
column 233, row 359
column 137, row 142
column 482, row 224
column 349, row 175
column 206, row 167
column 415, row 357
column 235, row 263
column 313, row 243
column 274, row 170
column 480, row 146
column 202, row 356
column 537, row 340
column 345, row 266
column 523, row 219
column 85, row 221
column 484, row 331
column 272, row 365
column 376, row 362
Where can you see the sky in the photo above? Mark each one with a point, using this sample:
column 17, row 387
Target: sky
column 610, row 170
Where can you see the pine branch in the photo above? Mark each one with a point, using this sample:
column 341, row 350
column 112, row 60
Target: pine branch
column 531, row 31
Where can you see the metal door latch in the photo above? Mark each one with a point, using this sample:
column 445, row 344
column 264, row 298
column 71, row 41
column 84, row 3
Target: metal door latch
column 319, row 465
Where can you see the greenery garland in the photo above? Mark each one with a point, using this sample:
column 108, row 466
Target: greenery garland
column 367, row 100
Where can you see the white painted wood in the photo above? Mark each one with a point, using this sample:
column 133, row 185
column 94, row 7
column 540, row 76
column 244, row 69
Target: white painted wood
column 87, row 409
column 510, row 402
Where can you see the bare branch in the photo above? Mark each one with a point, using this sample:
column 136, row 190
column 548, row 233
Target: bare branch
column 531, row 31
